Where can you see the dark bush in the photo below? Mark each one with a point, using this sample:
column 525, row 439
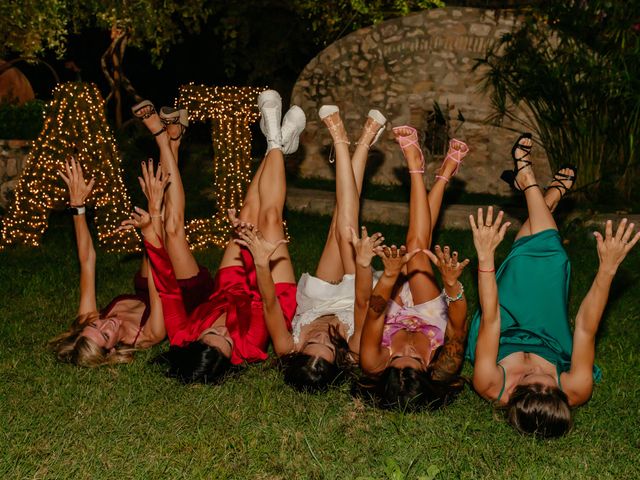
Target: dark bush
column 21, row 122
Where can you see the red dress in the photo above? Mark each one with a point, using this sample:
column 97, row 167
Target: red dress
column 235, row 293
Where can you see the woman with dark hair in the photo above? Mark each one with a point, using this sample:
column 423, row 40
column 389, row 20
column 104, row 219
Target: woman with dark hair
column 520, row 342
column 412, row 344
column 325, row 333
column 228, row 328
column 129, row 322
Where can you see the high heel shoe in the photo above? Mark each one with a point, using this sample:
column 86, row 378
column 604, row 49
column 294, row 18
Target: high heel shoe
column 374, row 125
column 509, row 176
column 406, row 141
column 330, row 115
column 457, row 151
column 137, row 112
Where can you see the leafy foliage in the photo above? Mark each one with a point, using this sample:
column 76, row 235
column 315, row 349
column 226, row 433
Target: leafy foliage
column 576, row 65
column 29, row 28
column 22, row 122
column 332, row 19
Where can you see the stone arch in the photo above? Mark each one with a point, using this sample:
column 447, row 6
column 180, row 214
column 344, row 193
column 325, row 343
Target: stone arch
column 404, row 67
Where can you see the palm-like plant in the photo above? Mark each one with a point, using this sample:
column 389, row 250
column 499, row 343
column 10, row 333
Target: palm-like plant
column 575, row 65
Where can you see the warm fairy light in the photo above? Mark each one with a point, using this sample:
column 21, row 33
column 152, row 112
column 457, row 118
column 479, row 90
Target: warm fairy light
column 74, row 124
column 231, row 111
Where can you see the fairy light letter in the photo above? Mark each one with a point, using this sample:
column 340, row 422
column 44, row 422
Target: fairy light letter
column 231, row 111
column 74, row 124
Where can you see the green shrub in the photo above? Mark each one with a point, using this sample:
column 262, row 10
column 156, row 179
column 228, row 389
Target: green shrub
column 22, row 122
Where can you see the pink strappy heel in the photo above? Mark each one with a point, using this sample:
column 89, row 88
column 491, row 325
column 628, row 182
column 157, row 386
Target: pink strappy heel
column 407, row 141
column 457, row 151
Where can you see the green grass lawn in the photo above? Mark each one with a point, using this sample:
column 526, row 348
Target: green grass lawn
column 59, row 421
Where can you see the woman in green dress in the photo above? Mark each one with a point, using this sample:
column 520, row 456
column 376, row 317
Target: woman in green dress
column 525, row 357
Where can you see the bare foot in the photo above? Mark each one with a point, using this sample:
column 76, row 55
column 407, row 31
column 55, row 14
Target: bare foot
column 407, row 138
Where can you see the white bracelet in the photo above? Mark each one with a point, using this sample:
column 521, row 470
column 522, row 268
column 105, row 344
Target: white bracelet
column 456, row 298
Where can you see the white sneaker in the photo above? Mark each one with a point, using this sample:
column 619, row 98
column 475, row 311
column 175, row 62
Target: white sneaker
column 293, row 124
column 379, row 118
column 270, row 106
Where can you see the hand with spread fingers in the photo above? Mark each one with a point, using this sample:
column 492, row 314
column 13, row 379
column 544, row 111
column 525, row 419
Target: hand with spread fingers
column 261, row 249
column 612, row 249
column 487, row 233
column 394, row 258
column 79, row 189
column 153, row 186
column 447, row 263
column 366, row 247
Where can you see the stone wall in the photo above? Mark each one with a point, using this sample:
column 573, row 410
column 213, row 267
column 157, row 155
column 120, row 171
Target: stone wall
column 402, row 67
column 13, row 154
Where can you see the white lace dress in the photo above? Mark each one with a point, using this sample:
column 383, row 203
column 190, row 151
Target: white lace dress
column 317, row 298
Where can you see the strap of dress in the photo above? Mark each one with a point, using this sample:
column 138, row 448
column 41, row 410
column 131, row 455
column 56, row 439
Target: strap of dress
column 504, row 382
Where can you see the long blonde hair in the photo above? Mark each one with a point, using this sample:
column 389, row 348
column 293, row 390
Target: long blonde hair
column 71, row 347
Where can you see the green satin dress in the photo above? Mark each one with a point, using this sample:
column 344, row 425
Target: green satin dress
column 533, row 291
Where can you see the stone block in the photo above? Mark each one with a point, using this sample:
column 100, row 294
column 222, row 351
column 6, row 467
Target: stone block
column 11, row 167
column 479, row 29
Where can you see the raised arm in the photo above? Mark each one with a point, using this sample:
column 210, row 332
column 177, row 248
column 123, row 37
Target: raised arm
column 451, row 358
column 578, row 382
column 261, row 251
column 365, row 248
column 373, row 356
column 79, row 190
column 153, row 186
column 487, row 235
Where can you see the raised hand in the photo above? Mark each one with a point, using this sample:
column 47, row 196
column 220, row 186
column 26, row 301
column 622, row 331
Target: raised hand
column 612, row 249
column 139, row 219
column 79, row 189
column 153, row 186
column 394, row 258
column 366, row 247
column 447, row 263
column 487, row 234
column 260, row 248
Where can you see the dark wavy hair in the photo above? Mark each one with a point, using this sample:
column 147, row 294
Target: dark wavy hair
column 312, row 374
column 539, row 410
column 409, row 389
column 195, row 362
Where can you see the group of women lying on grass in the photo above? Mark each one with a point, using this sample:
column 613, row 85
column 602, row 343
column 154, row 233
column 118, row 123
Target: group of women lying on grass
column 403, row 333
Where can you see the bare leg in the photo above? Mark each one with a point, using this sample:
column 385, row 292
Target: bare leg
column 419, row 271
column 328, row 268
column 552, row 198
column 540, row 217
column 184, row 264
column 272, row 187
column 249, row 213
column 437, row 191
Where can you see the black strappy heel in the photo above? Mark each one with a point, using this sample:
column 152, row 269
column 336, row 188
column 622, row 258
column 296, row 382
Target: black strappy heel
column 563, row 177
column 509, row 176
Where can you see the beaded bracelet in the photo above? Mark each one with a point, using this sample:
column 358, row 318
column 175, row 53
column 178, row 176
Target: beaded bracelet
column 457, row 297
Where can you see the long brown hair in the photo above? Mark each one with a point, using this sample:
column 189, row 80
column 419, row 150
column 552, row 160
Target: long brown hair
column 539, row 410
column 311, row 374
column 72, row 347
